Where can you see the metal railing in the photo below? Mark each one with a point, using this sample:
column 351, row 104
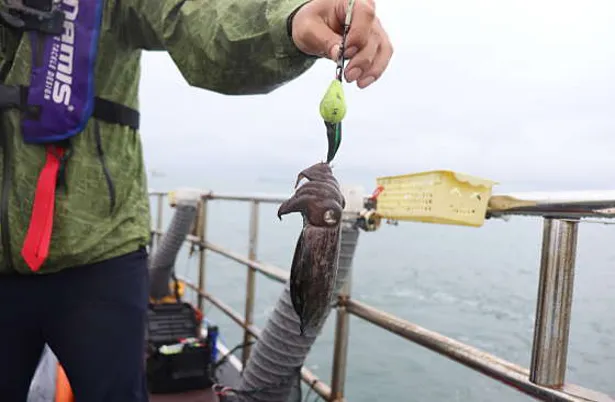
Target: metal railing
column 545, row 378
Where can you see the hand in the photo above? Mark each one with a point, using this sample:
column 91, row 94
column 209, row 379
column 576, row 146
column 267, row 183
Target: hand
column 317, row 29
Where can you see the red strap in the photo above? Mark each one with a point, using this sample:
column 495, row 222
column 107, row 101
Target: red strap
column 36, row 245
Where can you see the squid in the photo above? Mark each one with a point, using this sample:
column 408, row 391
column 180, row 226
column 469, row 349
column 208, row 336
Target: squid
column 315, row 260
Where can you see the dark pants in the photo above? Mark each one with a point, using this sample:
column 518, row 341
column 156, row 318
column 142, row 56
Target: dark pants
column 92, row 317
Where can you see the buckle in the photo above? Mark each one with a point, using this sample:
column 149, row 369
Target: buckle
column 48, row 19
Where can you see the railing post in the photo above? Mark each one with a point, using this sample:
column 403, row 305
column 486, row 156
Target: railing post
column 202, row 235
column 342, row 322
column 251, row 279
column 554, row 304
column 160, row 206
column 340, row 347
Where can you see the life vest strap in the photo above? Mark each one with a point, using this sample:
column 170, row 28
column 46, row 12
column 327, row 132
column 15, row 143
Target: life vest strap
column 115, row 113
column 14, row 96
column 38, row 238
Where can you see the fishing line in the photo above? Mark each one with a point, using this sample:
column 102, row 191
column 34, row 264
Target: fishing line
column 230, row 352
column 224, row 391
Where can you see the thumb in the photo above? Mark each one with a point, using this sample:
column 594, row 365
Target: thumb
column 312, row 35
column 331, row 43
column 323, row 41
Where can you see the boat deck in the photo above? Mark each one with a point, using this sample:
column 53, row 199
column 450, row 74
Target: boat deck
column 194, row 396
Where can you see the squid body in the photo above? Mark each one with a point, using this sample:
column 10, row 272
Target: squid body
column 314, row 266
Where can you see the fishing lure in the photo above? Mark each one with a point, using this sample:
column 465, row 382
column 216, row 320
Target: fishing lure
column 333, row 104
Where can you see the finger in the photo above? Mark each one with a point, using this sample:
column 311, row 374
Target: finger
column 383, row 57
column 362, row 61
column 332, row 46
column 379, row 64
column 363, row 15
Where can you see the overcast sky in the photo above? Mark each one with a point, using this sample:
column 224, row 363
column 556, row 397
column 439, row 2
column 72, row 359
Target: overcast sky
column 517, row 91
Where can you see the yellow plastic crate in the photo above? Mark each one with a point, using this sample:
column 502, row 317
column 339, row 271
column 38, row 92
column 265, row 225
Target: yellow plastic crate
column 438, row 196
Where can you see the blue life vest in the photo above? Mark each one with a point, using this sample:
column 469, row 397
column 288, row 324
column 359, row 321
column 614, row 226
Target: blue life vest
column 56, row 106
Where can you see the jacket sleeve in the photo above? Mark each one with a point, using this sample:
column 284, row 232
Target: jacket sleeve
column 232, row 47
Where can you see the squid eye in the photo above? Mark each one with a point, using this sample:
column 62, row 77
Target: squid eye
column 329, row 217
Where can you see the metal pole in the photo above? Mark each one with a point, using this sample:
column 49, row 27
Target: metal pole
column 554, row 304
column 202, row 234
column 159, row 219
column 342, row 323
column 340, row 352
column 251, row 279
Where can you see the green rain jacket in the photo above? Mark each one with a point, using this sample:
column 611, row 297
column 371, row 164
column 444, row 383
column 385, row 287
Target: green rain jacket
column 228, row 46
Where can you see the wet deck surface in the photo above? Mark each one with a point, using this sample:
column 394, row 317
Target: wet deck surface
column 194, row 396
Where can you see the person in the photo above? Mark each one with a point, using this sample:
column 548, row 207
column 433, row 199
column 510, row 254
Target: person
column 74, row 210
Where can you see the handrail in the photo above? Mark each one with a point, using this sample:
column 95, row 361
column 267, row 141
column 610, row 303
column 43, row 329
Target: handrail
column 560, row 204
column 545, row 378
column 270, row 271
column 476, row 359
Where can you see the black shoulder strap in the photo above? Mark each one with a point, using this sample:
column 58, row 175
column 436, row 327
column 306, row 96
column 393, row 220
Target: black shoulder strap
column 12, row 96
column 115, row 113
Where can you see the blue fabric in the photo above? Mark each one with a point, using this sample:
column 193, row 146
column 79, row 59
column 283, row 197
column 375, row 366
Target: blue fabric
column 92, row 317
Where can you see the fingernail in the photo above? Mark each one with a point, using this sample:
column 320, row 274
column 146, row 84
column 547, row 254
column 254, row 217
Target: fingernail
column 353, row 74
column 367, row 81
column 350, row 52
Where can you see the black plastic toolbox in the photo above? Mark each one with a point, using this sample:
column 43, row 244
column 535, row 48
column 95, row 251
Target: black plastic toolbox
column 171, row 371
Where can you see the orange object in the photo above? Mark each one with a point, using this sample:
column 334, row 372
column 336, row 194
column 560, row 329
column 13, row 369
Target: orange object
column 377, row 192
column 171, row 298
column 199, row 315
column 64, row 392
